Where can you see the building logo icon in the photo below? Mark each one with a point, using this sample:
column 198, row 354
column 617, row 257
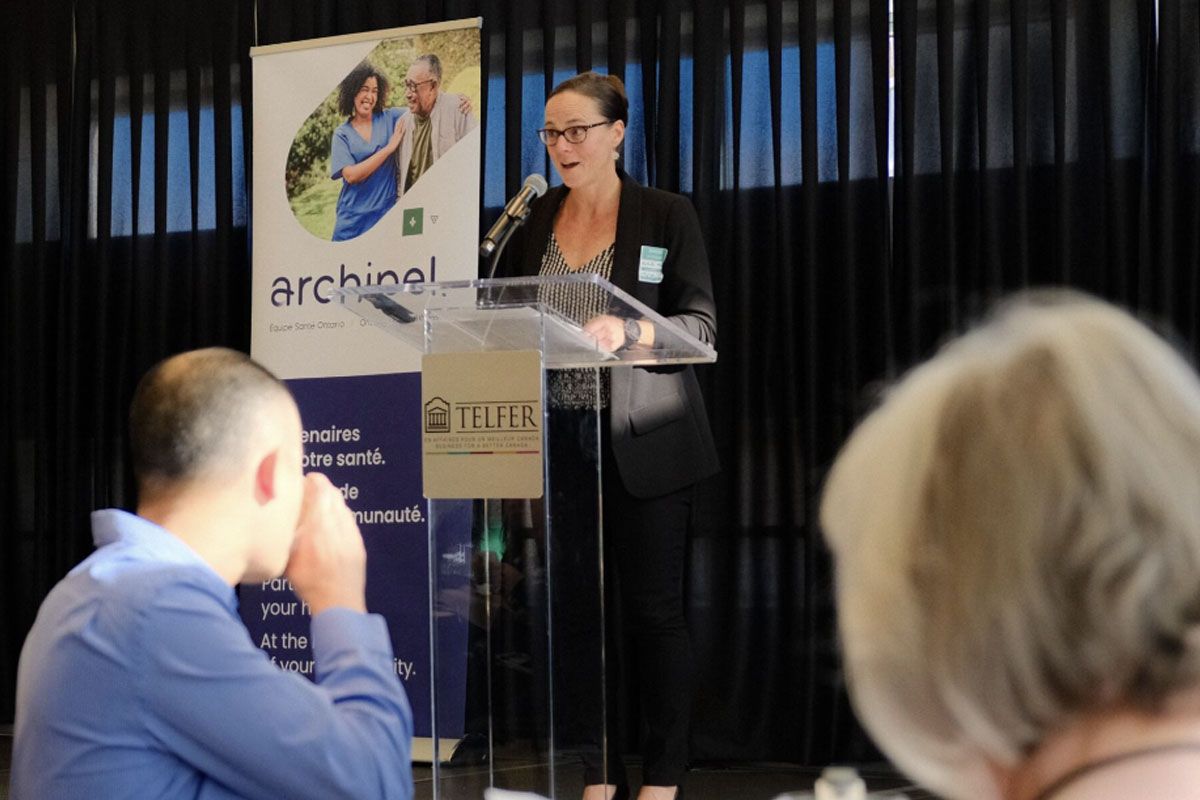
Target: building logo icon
column 437, row 416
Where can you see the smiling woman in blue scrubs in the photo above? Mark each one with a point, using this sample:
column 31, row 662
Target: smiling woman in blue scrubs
column 361, row 152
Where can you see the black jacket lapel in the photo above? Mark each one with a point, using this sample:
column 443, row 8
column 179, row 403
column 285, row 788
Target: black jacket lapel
column 627, row 249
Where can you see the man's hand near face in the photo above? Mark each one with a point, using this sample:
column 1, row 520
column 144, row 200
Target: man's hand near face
column 328, row 565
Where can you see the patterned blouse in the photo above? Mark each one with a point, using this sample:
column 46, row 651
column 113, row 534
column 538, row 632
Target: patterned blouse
column 576, row 388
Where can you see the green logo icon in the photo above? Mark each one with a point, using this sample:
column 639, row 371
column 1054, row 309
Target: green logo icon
column 414, row 221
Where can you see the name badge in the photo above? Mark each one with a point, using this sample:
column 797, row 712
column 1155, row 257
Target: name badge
column 650, row 267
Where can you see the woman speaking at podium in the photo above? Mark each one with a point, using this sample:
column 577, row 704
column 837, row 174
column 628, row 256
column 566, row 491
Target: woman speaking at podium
column 656, row 443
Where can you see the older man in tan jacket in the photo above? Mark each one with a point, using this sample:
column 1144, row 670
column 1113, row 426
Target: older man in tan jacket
column 436, row 121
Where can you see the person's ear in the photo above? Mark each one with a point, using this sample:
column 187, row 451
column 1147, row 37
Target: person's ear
column 619, row 127
column 264, row 478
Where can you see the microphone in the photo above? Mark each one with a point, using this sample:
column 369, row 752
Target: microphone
column 514, row 214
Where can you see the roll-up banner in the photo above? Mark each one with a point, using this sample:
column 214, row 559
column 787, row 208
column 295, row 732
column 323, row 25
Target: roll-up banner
column 366, row 171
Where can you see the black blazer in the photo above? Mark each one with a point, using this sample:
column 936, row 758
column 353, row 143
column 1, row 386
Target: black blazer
column 660, row 433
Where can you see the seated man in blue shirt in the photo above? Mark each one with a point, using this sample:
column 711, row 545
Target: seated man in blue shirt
column 138, row 679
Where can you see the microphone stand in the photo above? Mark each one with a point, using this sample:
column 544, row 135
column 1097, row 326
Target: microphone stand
column 516, row 211
column 494, row 259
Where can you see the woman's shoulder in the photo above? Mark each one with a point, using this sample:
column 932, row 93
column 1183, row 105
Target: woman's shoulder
column 390, row 114
column 655, row 200
column 663, row 210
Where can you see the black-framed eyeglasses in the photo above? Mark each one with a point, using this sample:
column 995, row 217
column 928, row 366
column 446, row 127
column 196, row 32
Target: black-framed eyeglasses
column 412, row 86
column 574, row 134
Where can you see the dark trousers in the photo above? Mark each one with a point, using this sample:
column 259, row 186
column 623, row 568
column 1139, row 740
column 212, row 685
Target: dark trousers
column 646, row 543
column 643, row 556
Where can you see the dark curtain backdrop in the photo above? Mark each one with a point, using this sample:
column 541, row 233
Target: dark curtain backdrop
column 1035, row 142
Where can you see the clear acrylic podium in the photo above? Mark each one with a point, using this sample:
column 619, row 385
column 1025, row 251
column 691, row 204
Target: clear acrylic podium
column 519, row 657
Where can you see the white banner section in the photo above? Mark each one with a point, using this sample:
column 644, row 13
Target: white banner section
column 335, row 201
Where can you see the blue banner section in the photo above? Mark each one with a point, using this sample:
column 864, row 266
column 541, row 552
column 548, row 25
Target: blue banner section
column 364, row 434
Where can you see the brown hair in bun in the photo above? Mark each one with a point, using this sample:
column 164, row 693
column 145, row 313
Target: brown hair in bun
column 607, row 90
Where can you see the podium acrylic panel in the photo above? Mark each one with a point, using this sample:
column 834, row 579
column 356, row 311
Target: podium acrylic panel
column 521, row 314
column 526, row 578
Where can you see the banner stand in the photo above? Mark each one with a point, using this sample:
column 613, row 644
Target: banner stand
column 320, row 107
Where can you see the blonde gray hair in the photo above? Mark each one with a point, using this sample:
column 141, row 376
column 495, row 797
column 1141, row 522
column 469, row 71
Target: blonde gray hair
column 433, row 64
column 1017, row 539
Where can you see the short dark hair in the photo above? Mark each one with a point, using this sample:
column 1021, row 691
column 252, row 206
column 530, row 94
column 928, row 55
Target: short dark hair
column 607, row 90
column 193, row 412
column 350, row 85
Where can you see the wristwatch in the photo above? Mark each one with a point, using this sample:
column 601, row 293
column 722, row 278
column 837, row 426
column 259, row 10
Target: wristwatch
column 633, row 332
